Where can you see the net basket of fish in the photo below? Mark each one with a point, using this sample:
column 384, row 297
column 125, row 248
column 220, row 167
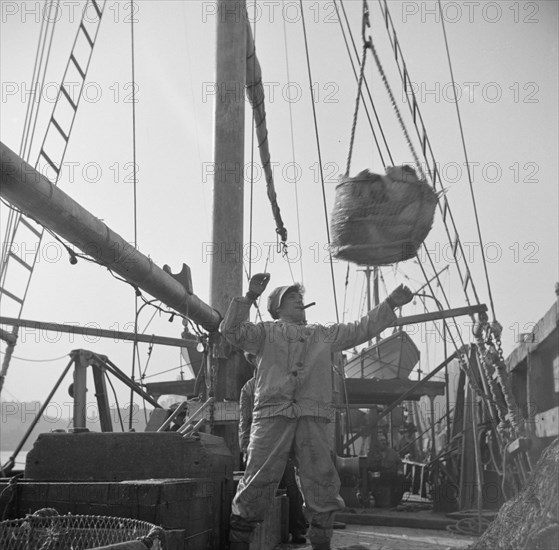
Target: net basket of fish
column 381, row 219
column 46, row 530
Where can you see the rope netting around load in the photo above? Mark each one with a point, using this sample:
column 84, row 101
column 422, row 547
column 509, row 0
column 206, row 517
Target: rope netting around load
column 45, row 530
column 381, row 219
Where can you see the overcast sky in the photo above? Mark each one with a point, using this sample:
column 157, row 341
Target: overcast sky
column 504, row 58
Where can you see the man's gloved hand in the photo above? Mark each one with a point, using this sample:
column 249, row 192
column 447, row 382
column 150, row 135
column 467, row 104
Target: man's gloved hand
column 400, row 296
column 257, row 285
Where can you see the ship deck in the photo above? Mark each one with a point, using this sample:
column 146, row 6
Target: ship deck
column 374, row 537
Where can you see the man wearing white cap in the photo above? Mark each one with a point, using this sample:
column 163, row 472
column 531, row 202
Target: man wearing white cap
column 293, row 402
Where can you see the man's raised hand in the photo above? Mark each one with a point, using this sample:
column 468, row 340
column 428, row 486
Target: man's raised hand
column 400, row 296
column 257, row 285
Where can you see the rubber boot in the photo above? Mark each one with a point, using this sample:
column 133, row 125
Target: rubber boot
column 239, row 546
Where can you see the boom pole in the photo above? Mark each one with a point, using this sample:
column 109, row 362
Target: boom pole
column 28, row 190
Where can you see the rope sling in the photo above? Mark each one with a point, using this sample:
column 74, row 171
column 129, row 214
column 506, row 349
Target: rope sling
column 381, row 219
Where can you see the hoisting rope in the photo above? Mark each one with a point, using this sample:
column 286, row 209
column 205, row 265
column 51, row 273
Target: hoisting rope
column 293, row 147
column 366, row 85
column 319, row 161
column 367, row 43
column 397, row 111
column 354, row 123
column 255, row 95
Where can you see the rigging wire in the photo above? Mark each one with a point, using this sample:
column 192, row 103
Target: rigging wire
column 150, row 320
column 164, row 371
column 346, row 282
column 251, row 208
column 173, row 313
column 319, row 159
column 464, row 362
column 31, row 114
column 470, row 182
column 188, row 50
column 293, row 146
column 354, row 297
column 363, row 308
column 12, row 397
column 134, row 166
column 26, row 359
column 247, row 273
column 135, row 204
column 150, row 349
column 384, row 287
column 117, row 404
column 41, row 78
column 34, row 79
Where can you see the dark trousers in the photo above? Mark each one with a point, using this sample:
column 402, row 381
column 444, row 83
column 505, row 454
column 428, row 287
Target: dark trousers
column 297, row 520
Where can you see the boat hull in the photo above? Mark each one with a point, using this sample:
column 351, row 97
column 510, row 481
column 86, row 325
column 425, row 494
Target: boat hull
column 392, row 357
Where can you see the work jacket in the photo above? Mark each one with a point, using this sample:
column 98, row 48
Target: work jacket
column 294, row 361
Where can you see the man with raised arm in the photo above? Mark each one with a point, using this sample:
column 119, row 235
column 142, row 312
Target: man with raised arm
column 293, row 402
column 297, row 523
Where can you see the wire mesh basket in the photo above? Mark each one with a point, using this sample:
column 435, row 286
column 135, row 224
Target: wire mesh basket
column 46, row 530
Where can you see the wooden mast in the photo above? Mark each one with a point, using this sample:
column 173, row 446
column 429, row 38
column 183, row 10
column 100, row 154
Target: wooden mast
column 228, row 196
